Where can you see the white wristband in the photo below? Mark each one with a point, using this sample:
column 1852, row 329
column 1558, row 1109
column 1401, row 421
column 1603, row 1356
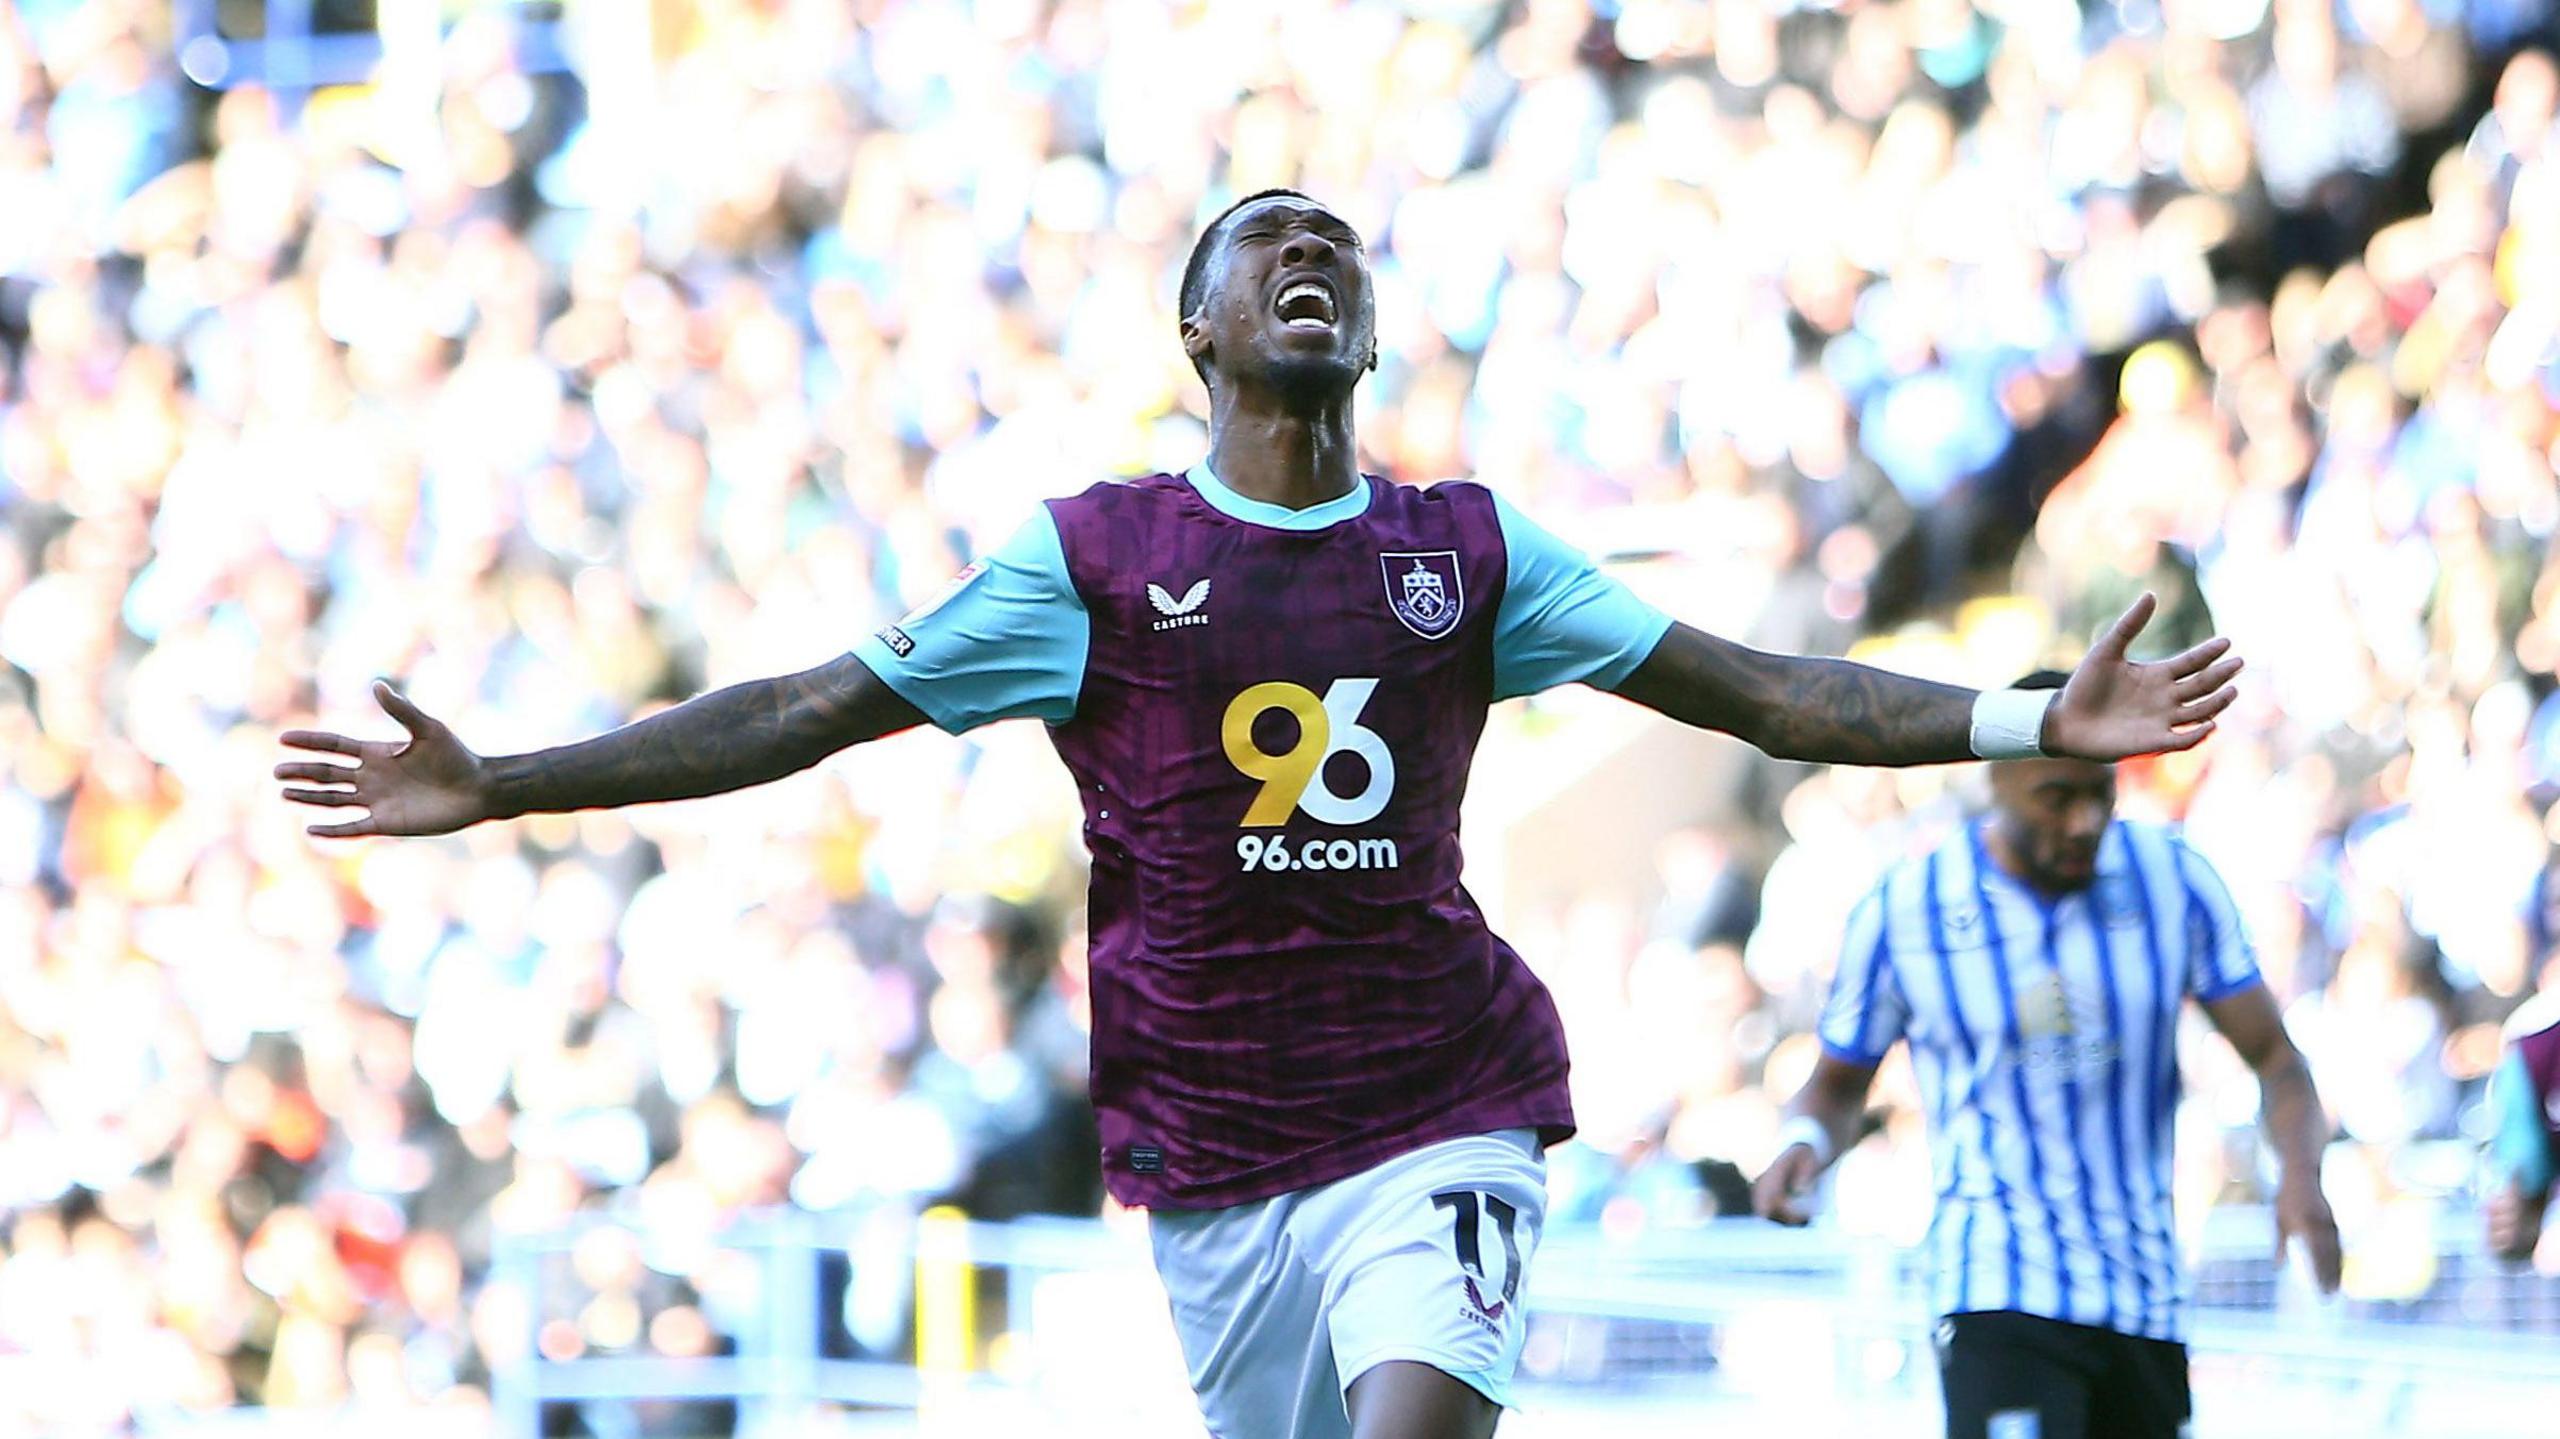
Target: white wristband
column 2009, row 724
column 1808, row 1131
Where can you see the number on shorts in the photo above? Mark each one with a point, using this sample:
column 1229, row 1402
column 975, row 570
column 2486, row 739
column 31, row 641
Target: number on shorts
column 1470, row 1249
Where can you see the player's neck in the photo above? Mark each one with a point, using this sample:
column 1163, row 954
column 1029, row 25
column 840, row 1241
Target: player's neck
column 1295, row 461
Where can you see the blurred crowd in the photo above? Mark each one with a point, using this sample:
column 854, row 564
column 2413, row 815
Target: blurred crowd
column 1938, row 328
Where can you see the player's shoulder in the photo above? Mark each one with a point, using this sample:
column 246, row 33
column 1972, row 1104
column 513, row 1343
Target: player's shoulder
column 2191, row 862
column 2146, row 842
column 1124, row 492
column 1439, row 513
column 1423, row 495
column 1449, row 487
column 1109, row 515
column 1903, row 880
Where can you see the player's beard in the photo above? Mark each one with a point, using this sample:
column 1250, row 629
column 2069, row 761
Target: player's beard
column 2045, row 858
column 2056, row 869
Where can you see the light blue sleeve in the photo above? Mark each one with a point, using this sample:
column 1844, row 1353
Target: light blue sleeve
column 1866, row 1012
column 2220, row 960
column 1562, row 620
column 1006, row 638
column 2520, row 1146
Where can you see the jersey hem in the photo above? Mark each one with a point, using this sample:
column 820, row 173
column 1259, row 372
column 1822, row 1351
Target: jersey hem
column 1624, row 665
column 1551, row 1120
column 905, row 688
column 2177, row 1330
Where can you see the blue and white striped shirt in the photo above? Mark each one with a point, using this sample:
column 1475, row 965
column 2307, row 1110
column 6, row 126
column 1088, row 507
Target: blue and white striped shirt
column 2043, row 1033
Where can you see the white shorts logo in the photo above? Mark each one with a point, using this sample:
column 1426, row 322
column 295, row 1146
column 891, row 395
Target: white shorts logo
column 1466, row 1206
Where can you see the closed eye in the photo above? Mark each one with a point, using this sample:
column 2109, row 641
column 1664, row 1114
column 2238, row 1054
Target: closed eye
column 1339, row 235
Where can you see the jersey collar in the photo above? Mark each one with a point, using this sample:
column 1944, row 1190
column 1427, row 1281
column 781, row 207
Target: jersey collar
column 1278, row 517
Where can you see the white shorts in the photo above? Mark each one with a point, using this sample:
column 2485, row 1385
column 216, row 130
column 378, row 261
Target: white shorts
column 1283, row 1302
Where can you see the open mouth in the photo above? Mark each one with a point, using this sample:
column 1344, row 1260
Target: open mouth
column 1305, row 305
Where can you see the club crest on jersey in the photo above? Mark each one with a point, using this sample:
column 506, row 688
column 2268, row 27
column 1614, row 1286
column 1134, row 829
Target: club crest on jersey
column 2044, row 1007
column 1424, row 590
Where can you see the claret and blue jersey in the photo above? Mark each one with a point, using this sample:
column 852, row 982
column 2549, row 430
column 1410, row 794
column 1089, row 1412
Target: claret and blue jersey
column 1018, row 632
column 1270, row 714
column 2043, row 1034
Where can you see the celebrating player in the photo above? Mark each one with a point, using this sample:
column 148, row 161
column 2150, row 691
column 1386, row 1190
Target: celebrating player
column 1328, row 1080
column 2038, row 964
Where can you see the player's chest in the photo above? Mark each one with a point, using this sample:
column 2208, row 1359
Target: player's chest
column 1227, row 608
column 1997, row 965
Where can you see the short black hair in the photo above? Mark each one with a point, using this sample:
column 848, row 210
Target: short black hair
column 1195, row 273
column 2041, row 680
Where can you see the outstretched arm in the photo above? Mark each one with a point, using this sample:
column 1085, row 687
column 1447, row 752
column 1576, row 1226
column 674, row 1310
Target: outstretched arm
column 2296, row 1126
column 729, row 739
column 1836, row 712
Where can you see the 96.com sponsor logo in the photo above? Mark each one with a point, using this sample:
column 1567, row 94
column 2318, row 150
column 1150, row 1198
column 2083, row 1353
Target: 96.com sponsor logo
column 1294, row 781
column 1280, row 855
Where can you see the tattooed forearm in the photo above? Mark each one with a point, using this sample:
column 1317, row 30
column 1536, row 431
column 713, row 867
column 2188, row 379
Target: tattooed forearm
column 729, row 739
column 1823, row 710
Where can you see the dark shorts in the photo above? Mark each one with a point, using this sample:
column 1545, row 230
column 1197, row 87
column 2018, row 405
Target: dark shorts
column 2015, row 1376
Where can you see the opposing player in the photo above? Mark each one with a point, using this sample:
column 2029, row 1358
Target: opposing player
column 2524, row 1095
column 2038, row 963
column 1312, row 1061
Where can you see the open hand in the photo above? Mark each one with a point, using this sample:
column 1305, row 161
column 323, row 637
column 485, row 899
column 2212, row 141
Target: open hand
column 428, row 785
column 2114, row 707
